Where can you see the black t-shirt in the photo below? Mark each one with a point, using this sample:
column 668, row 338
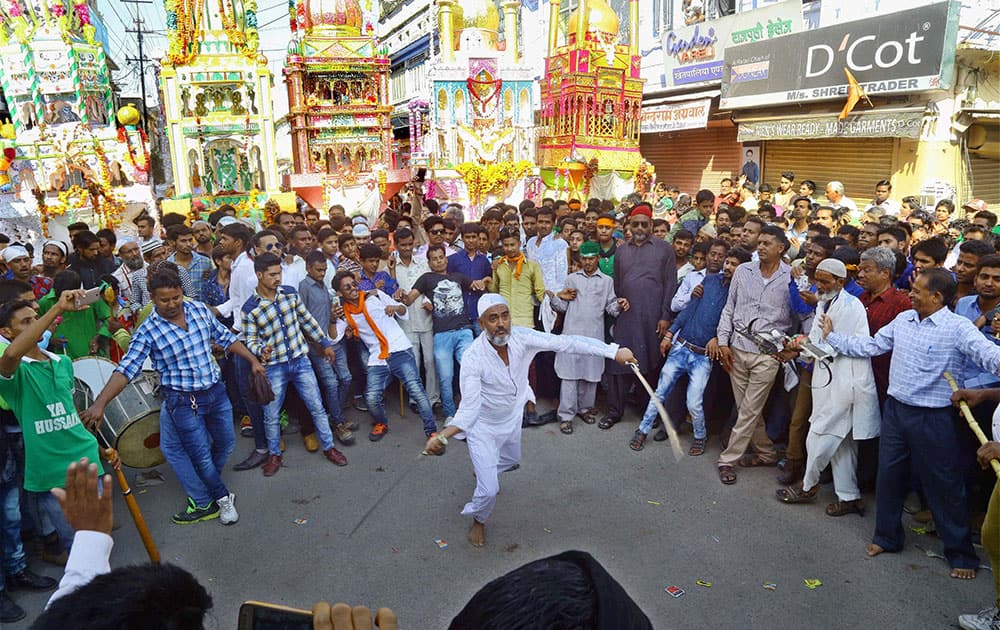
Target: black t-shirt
column 445, row 293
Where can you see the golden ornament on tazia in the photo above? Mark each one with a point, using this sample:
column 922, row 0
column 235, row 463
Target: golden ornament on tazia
column 128, row 115
column 601, row 18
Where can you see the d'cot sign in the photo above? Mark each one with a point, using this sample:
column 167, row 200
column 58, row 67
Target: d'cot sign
column 906, row 51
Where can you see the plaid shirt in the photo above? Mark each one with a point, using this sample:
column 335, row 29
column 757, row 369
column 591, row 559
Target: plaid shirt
column 182, row 357
column 198, row 271
column 141, row 296
column 282, row 324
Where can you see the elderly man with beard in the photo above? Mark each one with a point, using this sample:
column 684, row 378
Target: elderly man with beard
column 494, row 385
column 845, row 409
column 54, row 254
column 132, row 261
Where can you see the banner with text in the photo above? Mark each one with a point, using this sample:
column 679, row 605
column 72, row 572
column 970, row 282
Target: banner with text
column 902, row 52
column 694, row 55
column 675, row 116
column 873, row 125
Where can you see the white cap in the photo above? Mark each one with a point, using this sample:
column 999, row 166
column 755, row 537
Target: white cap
column 833, row 267
column 14, row 252
column 488, row 301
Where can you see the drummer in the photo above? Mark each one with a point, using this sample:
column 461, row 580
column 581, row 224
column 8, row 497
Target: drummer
column 196, row 429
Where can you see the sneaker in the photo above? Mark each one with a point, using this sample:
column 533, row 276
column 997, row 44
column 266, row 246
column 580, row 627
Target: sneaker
column 9, row 610
column 986, row 619
column 311, row 442
column 29, row 581
column 194, row 514
column 359, row 404
column 343, row 433
column 246, row 427
column 378, row 431
column 227, row 510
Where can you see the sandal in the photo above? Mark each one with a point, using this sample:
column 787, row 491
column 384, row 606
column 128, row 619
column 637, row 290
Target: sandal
column 697, row 447
column 637, row 441
column 841, row 508
column 753, row 460
column 727, row 475
column 607, row 422
column 566, row 427
column 589, row 418
column 795, row 494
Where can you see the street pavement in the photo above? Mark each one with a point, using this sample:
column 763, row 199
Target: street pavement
column 651, row 521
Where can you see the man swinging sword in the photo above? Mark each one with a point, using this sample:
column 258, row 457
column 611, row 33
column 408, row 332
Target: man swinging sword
column 494, row 385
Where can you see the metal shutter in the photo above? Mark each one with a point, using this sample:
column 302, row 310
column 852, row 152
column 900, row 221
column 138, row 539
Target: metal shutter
column 857, row 163
column 693, row 159
column 985, row 175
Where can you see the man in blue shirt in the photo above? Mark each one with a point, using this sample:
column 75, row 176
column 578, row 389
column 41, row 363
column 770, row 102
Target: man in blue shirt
column 694, row 346
column 476, row 267
column 918, row 422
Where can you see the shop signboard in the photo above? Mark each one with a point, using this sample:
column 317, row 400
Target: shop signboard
column 675, row 116
column 896, row 53
column 693, row 55
column 866, row 125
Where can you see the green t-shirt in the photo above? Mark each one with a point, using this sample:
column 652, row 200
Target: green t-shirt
column 78, row 327
column 40, row 394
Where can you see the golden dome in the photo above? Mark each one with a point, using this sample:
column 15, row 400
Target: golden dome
column 601, row 19
column 476, row 14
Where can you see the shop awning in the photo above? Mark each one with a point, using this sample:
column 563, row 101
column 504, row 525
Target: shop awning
column 678, row 98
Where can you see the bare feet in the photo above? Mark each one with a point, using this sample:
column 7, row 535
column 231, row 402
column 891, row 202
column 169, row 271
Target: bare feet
column 477, row 534
column 873, row 550
column 963, row 574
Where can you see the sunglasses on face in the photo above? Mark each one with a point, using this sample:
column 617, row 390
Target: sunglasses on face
column 437, row 232
column 271, row 246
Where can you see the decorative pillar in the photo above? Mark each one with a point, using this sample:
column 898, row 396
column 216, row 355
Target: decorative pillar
column 553, row 26
column 633, row 15
column 582, row 24
column 447, row 30
column 510, row 10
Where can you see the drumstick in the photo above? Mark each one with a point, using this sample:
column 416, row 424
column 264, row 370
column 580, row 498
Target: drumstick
column 133, row 507
column 971, row 420
column 675, row 442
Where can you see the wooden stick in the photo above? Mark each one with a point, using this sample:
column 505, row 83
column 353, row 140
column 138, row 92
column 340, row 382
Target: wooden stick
column 675, row 442
column 402, row 404
column 133, row 507
column 971, row 420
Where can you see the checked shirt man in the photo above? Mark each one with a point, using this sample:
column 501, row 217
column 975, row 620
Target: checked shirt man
column 196, row 417
column 276, row 324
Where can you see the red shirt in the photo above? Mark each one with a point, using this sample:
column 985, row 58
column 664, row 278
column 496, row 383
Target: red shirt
column 881, row 310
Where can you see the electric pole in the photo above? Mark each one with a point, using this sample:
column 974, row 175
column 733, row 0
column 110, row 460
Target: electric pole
column 139, row 31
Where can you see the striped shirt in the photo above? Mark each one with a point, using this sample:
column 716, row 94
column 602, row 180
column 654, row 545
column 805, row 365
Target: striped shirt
column 922, row 350
column 283, row 324
column 754, row 299
column 183, row 357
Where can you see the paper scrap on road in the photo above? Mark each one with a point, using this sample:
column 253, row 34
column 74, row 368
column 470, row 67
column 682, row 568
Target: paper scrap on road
column 653, row 502
column 674, row 591
column 704, row 583
column 770, row 586
column 301, row 521
column 440, row 543
column 547, row 530
column 812, row 584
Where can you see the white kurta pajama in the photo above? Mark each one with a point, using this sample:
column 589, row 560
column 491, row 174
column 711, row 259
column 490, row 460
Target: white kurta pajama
column 844, row 410
column 493, row 399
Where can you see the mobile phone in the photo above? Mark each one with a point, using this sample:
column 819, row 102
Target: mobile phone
column 264, row 616
column 89, row 297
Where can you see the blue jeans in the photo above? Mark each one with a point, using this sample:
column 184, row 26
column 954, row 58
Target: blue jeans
column 13, row 561
column 476, row 328
column 343, row 371
column 930, row 437
column 449, row 347
column 197, row 442
column 403, row 366
column 680, row 361
column 329, row 384
column 300, row 372
column 241, row 372
column 51, row 512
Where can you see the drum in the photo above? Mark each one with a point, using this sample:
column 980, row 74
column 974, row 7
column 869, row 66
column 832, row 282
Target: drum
column 132, row 419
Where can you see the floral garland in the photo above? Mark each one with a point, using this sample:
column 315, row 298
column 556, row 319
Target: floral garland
column 143, row 168
column 588, row 175
column 492, row 179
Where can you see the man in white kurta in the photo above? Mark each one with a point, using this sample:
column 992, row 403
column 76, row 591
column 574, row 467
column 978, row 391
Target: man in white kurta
column 494, row 384
column 845, row 405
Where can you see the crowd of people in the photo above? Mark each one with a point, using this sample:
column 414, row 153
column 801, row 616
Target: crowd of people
column 807, row 332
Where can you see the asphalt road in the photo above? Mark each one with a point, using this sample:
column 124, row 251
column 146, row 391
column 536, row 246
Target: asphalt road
column 651, row 521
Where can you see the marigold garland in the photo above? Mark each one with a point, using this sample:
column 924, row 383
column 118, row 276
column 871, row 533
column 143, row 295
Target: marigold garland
column 492, row 179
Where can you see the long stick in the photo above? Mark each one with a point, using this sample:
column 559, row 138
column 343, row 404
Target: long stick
column 969, row 418
column 133, row 507
column 403, row 476
column 675, row 442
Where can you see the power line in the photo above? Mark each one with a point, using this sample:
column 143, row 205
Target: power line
column 141, row 59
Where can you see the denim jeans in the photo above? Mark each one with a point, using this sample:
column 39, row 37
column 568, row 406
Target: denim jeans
column 197, row 442
column 329, row 384
column 449, row 347
column 51, row 512
column 241, row 372
column 13, row 561
column 300, row 372
column 680, row 361
column 343, row 371
column 403, row 366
